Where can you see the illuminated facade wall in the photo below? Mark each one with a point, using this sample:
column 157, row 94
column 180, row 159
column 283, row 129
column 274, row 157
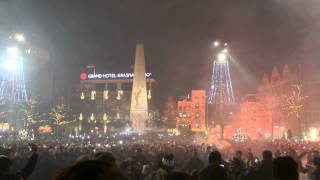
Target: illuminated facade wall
column 255, row 119
column 184, row 113
column 105, row 102
column 192, row 111
column 311, row 114
column 261, row 111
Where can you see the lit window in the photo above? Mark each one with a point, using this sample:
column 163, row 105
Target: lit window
column 81, row 117
column 105, row 128
column 106, row 94
column 184, row 115
column 119, row 95
column 93, row 95
column 92, row 117
column 105, row 117
column 82, row 96
column 149, row 94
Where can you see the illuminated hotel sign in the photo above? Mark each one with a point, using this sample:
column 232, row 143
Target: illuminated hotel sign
column 85, row 76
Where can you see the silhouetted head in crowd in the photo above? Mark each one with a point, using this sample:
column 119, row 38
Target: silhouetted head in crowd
column 82, row 158
column 178, row 176
column 138, row 150
column 167, row 162
column 146, row 169
column 250, row 155
column 285, row 168
column 238, row 155
column 92, row 169
column 5, row 164
column 105, row 157
column 316, row 162
column 215, row 157
column 267, row 155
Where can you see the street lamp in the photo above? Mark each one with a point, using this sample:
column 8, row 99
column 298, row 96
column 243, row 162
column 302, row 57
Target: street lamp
column 222, row 57
column 19, row 37
column 216, row 43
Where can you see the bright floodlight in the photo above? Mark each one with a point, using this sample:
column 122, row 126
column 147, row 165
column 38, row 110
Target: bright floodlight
column 19, row 37
column 13, row 51
column 222, row 57
column 225, row 50
column 216, row 44
column 10, row 65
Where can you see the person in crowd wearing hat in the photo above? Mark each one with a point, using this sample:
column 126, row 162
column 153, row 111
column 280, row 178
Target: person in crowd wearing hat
column 24, row 173
column 215, row 170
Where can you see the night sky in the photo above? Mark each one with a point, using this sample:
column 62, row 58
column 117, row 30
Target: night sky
column 177, row 35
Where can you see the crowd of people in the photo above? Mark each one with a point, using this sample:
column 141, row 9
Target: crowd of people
column 158, row 160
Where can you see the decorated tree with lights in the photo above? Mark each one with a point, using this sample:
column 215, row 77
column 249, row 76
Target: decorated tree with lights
column 221, row 97
column 184, row 120
column 60, row 114
column 32, row 115
column 240, row 136
column 293, row 104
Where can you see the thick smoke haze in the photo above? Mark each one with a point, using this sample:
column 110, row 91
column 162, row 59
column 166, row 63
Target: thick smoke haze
column 177, row 36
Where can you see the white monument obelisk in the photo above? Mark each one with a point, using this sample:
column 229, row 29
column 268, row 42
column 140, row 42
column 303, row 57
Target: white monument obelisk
column 139, row 101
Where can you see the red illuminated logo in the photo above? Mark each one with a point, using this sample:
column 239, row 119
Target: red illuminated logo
column 83, row 76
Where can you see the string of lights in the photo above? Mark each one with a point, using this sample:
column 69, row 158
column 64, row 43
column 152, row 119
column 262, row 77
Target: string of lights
column 12, row 86
column 221, row 90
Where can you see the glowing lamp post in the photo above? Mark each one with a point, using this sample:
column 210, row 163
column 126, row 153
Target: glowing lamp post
column 216, row 43
column 18, row 37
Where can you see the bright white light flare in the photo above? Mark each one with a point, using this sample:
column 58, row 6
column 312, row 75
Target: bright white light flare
column 10, row 64
column 222, row 57
column 216, row 44
column 19, row 37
